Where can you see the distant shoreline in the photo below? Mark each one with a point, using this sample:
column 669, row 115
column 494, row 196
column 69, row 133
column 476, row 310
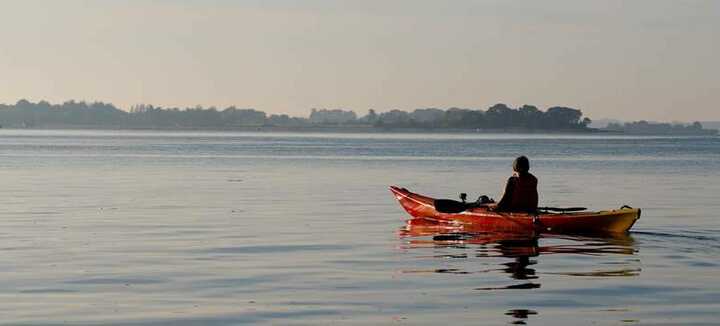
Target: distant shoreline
column 310, row 129
column 358, row 129
column 497, row 119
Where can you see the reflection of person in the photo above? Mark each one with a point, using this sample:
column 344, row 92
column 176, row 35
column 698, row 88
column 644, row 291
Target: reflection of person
column 521, row 193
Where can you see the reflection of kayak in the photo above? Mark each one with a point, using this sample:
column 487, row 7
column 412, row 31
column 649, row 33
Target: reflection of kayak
column 452, row 241
column 618, row 220
column 419, row 228
column 513, row 244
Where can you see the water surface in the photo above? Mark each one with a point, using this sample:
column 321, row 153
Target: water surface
column 170, row 228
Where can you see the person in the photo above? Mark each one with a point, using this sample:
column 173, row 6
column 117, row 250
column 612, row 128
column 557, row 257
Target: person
column 521, row 193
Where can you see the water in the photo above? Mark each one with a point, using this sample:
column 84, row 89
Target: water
column 161, row 228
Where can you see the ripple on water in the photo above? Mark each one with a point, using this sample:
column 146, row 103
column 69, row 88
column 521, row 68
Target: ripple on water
column 119, row 280
column 270, row 249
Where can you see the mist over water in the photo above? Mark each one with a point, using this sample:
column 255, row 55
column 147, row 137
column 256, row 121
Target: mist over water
column 169, row 228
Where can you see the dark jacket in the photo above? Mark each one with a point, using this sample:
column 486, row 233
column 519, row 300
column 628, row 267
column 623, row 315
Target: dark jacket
column 521, row 194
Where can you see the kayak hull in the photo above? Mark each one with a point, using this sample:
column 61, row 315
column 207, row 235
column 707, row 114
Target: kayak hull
column 614, row 221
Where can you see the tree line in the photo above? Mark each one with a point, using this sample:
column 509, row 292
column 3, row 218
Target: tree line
column 98, row 114
column 655, row 128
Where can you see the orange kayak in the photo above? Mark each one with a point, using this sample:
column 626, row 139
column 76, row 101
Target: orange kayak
column 614, row 221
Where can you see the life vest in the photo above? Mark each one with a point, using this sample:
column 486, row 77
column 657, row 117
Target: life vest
column 523, row 196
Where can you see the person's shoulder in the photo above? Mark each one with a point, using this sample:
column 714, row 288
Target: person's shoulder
column 527, row 177
column 533, row 178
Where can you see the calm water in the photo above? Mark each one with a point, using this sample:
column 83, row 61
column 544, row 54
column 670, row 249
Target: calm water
column 157, row 228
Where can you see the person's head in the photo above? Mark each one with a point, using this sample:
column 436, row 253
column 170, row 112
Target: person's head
column 521, row 165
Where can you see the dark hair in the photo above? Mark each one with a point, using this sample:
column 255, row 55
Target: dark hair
column 521, row 165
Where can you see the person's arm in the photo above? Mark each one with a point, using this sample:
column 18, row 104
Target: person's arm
column 505, row 201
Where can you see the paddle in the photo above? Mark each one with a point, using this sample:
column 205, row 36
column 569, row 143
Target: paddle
column 562, row 209
column 453, row 206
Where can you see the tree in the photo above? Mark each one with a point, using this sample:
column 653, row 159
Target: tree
column 500, row 116
column 563, row 117
column 530, row 116
column 586, row 122
column 371, row 117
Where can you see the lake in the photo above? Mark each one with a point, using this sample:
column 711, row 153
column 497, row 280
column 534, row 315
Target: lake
column 220, row 228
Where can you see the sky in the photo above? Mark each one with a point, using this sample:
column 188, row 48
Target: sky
column 630, row 60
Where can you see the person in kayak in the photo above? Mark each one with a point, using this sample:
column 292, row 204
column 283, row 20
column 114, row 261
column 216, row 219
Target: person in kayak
column 521, row 193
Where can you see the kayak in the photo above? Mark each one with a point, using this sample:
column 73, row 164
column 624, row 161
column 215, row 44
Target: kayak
column 613, row 221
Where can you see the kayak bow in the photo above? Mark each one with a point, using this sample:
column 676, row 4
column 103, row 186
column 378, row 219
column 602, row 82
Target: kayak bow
column 616, row 221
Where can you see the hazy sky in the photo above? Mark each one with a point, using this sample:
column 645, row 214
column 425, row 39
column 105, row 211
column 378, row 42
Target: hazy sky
column 626, row 59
